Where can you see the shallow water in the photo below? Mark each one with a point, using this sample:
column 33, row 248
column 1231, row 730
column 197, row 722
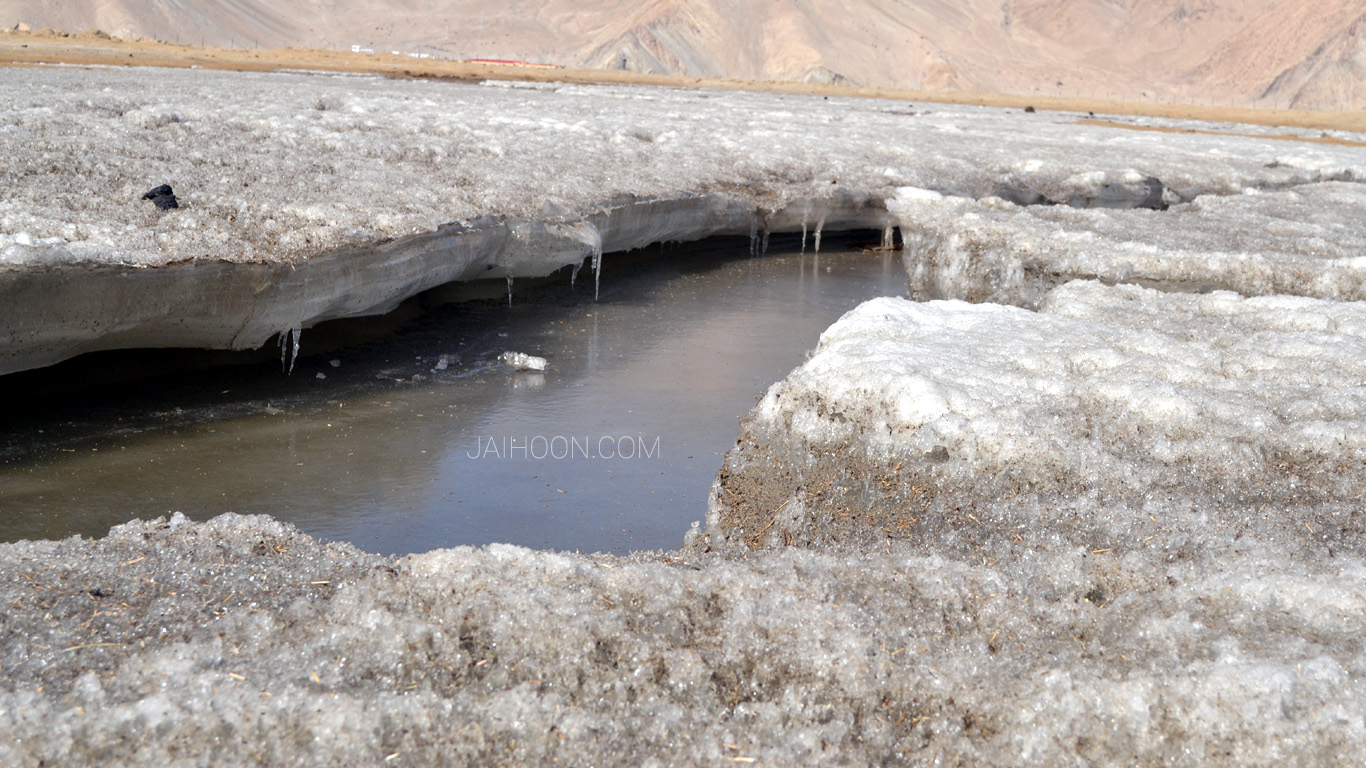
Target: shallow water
column 613, row 448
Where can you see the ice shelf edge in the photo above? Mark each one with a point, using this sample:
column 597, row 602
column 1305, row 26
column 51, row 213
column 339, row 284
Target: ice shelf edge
column 51, row 315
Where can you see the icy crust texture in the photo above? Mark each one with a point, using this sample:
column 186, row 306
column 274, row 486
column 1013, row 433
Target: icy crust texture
column 1146, row 458
column 1122, row 389
column 1164, row 410
column 1124, row 422
column 279, row 167
column 309, row 197
column 241, row 641
column 1304, row 241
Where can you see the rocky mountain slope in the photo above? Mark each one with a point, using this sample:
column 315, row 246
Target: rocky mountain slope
column 1281, row 53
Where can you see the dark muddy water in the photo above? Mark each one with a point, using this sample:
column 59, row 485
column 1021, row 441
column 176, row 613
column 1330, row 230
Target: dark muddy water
column 612, row 448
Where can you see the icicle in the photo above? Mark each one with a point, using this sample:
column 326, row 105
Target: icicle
column 509, row 290
column 753, row 237
column 574, row 274
column 803, row 235
column 289, row 345
column 595, row 242
column 295, row 333
column 763, row 248
column 887, row 238
column 597, row 270
column 819, row 226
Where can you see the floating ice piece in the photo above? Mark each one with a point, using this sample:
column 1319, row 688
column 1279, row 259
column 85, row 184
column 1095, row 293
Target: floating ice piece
column 522, row 361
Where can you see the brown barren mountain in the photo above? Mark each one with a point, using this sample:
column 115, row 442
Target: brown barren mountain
column 1307, row 54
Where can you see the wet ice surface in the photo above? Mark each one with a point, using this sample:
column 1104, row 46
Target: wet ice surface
column 1106, row 525
column 612, row 448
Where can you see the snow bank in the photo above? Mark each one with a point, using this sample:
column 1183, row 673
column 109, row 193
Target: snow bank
column 1156, row 480
column 306, row 197
column 1304, row 241
column 240, row 640
column 1119, row 388
column 1197, row 409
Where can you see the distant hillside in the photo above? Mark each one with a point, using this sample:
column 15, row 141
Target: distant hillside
column 1301, row 53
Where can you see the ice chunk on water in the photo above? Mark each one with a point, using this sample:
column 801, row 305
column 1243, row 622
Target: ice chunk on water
column 522, row 361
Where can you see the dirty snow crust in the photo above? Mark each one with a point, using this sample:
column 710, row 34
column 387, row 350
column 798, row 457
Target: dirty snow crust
column 240, row 640
column 279, row 167
column 1304, row 241
column 1121, row 388
column 1158, row 462
column 309, row 197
